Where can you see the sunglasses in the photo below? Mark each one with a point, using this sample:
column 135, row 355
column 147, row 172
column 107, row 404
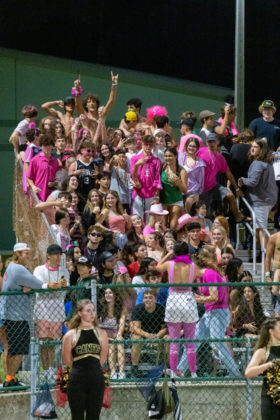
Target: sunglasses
column 98, row 235
column 87, row 150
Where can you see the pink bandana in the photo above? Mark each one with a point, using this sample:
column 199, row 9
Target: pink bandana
column 183, row 259
column 50, row 268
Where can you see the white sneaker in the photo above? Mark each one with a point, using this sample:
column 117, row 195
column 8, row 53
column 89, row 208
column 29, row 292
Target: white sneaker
column 114, row 375
column 122, row 375
column 193, row 375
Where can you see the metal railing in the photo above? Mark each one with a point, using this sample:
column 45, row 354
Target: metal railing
column 252, row 230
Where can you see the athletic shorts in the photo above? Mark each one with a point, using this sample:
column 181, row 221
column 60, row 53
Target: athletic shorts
column 18, row 336
column 48, row 329
column 262, row 213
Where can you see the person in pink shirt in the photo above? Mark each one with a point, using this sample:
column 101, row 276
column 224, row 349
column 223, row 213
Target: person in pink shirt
column 145, row 177
column 42, row 169
column 216, row 163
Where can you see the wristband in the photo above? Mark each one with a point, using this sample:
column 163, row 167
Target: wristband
column 267, row 274
column 77, row 91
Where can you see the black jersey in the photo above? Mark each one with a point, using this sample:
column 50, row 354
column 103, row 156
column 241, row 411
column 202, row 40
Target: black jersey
column 86, row 351
column 86, row 181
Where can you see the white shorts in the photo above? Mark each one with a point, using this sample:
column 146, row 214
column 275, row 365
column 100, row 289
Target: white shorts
column 262, row 213
column 181, row 307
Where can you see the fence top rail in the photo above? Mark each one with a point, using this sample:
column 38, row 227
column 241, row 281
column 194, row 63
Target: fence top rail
column 132, row 286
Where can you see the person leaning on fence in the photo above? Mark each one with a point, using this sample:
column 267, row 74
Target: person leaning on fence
column 49, row 307
column 148, row 322
column 16, row 308
column 181, row 308
column 84, row 350
column 267, row 350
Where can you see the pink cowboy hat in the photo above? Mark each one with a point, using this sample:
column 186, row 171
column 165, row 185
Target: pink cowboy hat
column 183, row 220
column 157, row 209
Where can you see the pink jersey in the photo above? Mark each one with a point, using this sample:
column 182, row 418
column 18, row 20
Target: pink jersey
column 211, row 276
column 42, row 170
column 215, row 163
column 148, row 175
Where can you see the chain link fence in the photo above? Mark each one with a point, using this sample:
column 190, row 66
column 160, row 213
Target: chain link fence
column 207, row 357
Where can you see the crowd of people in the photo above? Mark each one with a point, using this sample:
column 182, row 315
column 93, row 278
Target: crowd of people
column 138, row 205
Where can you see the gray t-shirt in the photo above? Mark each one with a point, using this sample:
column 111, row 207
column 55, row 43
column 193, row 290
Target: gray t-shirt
column 17, row 307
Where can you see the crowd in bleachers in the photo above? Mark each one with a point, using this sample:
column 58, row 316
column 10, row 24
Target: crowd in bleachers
column 127, row 205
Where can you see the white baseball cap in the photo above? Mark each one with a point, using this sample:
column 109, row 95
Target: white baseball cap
column 21, row 246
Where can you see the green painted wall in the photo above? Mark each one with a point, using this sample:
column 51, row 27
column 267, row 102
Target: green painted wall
column 30, row 78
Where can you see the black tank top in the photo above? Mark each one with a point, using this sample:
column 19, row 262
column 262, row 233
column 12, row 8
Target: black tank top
column 273, row 353
column 86, row 181
column 86, row 350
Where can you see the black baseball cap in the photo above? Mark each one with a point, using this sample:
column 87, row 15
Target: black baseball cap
column 54, row 249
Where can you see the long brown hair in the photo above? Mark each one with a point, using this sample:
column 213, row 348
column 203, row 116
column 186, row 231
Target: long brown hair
column 267, row 325
column 76, row 320
column 118, row 305
column 14, row 258
column 206, row 262
column 265, row 155
column 119, row 207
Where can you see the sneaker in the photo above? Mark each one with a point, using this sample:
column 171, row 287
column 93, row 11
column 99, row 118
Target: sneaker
column 114, row 375
column 193, row 375
column 12, row 382
column 122, row 375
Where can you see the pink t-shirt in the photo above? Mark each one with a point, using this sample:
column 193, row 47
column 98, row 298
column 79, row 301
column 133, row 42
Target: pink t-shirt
column 147, row 230
column 42, row 170
column 148, row 175
column 215, row 163
column 211, row 276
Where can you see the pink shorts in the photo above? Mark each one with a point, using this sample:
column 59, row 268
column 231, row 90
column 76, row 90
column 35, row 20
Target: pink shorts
column 48, row 329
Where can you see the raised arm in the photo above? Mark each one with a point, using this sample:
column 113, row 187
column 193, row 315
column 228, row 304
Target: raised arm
column 113, row 95
column 48, row 107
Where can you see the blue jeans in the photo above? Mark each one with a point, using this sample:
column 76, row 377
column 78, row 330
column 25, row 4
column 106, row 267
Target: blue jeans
column 213, row 324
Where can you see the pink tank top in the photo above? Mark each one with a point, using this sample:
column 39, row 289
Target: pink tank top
column 117, row 223
column 171, row 279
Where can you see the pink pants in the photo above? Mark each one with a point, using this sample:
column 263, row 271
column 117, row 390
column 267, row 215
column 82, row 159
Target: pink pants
column 174, row 330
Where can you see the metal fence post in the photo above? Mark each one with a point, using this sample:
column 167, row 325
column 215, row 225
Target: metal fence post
column 248, row 384
column 93, row 293
column 34, row 351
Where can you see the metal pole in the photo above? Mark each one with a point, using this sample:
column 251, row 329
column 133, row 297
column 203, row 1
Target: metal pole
column 239, row 67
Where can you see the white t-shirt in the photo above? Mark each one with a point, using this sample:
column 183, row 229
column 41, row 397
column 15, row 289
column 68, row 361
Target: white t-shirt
column 50, row 306
column 21, row 128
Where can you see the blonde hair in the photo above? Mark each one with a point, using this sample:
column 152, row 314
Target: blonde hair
column 224, row 223
column 76, row 320
column 224, row 234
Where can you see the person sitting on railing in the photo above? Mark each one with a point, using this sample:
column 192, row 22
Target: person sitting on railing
column 216, row 163
column 49, row 307
column 248, row 316
column 112, row 320
column 42, row 169
column 148, row 322
column 18, row 137
column 261, row 185
column 16, row 310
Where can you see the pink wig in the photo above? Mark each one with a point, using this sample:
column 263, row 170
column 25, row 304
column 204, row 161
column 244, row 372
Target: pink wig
column 156, row 110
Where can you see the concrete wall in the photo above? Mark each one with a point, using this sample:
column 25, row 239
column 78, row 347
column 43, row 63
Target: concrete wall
column 211, row 401
column 30, row 78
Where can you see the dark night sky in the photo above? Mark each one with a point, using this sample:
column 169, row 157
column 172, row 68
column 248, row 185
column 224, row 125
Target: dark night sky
column 190, row 39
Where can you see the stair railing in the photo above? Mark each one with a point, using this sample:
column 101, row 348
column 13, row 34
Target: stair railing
column 252, row 230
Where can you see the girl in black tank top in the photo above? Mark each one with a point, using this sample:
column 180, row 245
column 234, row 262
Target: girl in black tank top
column 84, row 347
column 268, row 349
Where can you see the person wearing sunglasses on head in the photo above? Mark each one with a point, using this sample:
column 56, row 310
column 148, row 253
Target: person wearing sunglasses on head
column 84, row 168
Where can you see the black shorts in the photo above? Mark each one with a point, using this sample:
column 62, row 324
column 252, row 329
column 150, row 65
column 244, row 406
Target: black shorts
column 22, row 147
column 18, row 335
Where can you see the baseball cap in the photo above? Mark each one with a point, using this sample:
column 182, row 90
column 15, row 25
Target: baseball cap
column 205, row 114
column 187, row 121
column 98, row 161
column 84, row 261
column 54, row 249
column 21, row 246
column 212, row 137
column 69, row 100
column 130, row 116
column 267, row 103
